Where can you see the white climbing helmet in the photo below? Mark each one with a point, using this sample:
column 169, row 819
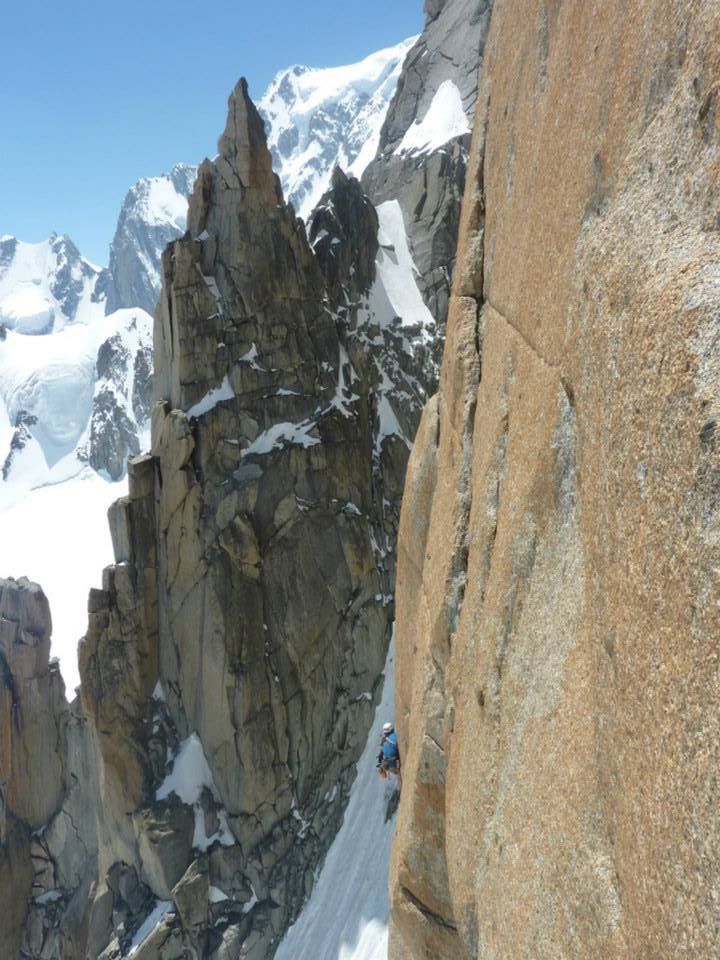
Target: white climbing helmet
column 388, row 728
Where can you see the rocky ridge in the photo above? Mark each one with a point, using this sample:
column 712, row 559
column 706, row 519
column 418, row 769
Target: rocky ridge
column 557, row 599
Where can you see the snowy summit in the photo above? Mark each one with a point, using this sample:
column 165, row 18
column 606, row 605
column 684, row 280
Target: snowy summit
column 319, row 118
column 44, row 286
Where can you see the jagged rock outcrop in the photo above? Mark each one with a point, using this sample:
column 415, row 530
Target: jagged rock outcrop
column 428, row 180
column 557, row 595
column 47, row 800
column 243, row 630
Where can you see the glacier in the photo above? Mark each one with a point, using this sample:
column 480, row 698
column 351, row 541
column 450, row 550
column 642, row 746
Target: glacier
column 52, row 503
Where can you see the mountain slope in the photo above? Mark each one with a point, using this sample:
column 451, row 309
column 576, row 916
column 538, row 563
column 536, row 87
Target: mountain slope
column 153, row 213
column 317, row 119
column 246, row 619
column 424, row 141
column 45, row 286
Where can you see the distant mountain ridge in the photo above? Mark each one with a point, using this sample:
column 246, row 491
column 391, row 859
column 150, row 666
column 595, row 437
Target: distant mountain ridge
column 153, row 213
column 317, row 119
column 45, row 286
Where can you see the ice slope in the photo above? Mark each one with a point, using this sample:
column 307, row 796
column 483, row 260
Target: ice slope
column 346, row 916
column 45, row 286
column 319, row 118
column 397, row 271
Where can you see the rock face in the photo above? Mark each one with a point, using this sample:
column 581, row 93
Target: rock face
column 47, row 800
column 154, row 212
column 122, row 400
column 557, row 596
column 427, row 179
column 244, row 628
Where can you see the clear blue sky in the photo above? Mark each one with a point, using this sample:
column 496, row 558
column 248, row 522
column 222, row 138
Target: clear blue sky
column 97, row 94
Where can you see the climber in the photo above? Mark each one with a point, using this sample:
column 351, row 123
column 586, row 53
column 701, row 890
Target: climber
column 388, row 759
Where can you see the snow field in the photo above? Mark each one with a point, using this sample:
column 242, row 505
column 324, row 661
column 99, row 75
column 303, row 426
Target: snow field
column 346, row 915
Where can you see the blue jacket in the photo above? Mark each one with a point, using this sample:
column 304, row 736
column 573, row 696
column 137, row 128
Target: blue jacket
column 390, row 746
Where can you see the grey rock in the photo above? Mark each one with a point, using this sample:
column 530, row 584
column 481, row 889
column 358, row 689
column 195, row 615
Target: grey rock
column 430, row 187
column 140, row 237
column 121, row 404
column 190, row 894
column 113, row 436
column 164, row 832
column 22, row 433
column 343, row 234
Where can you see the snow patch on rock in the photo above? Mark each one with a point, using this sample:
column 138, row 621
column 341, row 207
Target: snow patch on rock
column 444, row 120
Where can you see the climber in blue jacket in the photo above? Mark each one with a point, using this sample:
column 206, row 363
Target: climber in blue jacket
column 388, row 759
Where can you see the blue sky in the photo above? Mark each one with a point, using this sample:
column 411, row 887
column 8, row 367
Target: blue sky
column 95, row 95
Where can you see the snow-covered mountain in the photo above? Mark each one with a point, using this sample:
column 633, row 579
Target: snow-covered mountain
column 319, row 118
column 67, row 371
column 153, row 213
column 74, row 403
column 58, row 391
column 45, row 286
